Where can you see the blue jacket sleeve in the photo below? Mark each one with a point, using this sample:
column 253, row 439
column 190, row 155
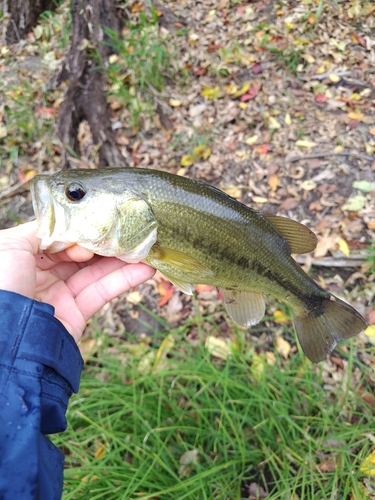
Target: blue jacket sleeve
column 40, row 367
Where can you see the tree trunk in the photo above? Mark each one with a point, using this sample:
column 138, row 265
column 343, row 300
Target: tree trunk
column 85, row 97
column 23, row 16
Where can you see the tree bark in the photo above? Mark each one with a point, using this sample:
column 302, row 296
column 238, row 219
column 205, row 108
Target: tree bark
column 23, row 16
column 85, row 97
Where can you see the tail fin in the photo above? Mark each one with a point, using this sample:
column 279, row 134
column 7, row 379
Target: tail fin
column 320, row 330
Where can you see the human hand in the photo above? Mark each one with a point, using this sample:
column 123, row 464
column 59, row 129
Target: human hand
column 75, row 282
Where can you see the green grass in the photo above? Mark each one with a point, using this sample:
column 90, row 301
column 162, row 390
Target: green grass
column 129, row 427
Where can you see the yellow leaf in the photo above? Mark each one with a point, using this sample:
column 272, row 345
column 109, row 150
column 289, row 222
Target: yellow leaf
column 370, row 333
column 370, row 149
column 338, row 149
column 212, row 92
column 270, row 358
column 355, row 116
column 308, row 185
column 245, row 87
column 100, row 452
column 344, row 247
column 283, row 347
column 134, row 297
column 355, row 97
column 234, row 192
column 273, row 123
column 288, row 119
column 187, row 160
column 302, row 143
column 368, row 465
column 242, row 105
column 113, row 58
column 252, row 140
column 280, row 317
column 334, row 78
column 175, row 103
column 202, row 152
column 257, row 367
column 259, row 199
column 165, row 347
column 309, row 58
column 217, row 347
column 231, row 88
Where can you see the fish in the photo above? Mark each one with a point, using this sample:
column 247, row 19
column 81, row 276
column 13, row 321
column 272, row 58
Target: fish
column 193, row 233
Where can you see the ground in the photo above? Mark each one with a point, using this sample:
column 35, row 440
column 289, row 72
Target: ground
column 273, row 102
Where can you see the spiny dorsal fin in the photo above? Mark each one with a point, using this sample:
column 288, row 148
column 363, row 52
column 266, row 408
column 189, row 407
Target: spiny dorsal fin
column 299, row 237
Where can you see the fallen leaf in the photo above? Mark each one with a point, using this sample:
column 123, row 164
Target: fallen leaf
column 368, row 465
column 257, row 367
column 187, row 160
column 334, row 78
column 355, row 116
column 212, row 92
column 308, row 185
column 327, row 466
column 283, row 347
column 252, row 140
column 288, row 204
column 253, row 91
column 100, row 452
column 263, row 150
column 217, row 347
column 3, row 131
column 370, row 333
column 202, row 152
column 364, row 186
column 234, row 192
column 165, row 347
column 273, row 123
column 280, row 316
column 288, row 119
column 321, row 98
column 344, row 247
column 355, row 203
column 304, row 143
column 239, row 92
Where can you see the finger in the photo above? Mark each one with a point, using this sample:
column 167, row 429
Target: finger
column 96, row 295
column 95, row 270
column 74, row 253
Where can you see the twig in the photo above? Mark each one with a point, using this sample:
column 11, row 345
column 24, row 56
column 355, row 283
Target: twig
column 323, row 76
column 342, row 75
column 13, row 190
column 355, row 261
column 16, row 30
column 323, row 155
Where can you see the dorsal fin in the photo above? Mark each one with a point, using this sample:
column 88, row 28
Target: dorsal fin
column 299, row 237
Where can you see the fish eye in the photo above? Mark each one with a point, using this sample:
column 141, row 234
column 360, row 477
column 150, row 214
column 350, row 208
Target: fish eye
column 75, row 192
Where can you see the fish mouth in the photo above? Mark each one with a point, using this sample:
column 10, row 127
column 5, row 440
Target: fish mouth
column 49, row 215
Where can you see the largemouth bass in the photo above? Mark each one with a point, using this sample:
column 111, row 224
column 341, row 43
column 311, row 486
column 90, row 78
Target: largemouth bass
column 194, row 234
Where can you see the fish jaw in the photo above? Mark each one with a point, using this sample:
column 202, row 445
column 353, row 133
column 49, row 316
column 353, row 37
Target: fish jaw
column 50, row 216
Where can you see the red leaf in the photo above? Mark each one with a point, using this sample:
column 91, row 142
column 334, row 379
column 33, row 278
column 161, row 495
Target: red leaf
column 166, row 290
column 320, row 98
column 359, row 39
column 256, row 68
column 263, row 149
column 251, row 93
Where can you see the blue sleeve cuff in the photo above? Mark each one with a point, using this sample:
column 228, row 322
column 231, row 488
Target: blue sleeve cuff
column 38, row 336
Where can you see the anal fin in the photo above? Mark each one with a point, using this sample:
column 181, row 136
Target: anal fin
column 245, row 308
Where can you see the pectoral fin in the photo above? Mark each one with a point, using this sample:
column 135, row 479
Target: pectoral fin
column 184, row 287
column 245, row 308
column 299, row 237
column 179, row 260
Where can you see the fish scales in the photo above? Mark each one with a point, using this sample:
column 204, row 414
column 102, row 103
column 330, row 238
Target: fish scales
column 193, row 233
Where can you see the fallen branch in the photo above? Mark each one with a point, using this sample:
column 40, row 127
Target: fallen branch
column 323, row 155
column 355, row 261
